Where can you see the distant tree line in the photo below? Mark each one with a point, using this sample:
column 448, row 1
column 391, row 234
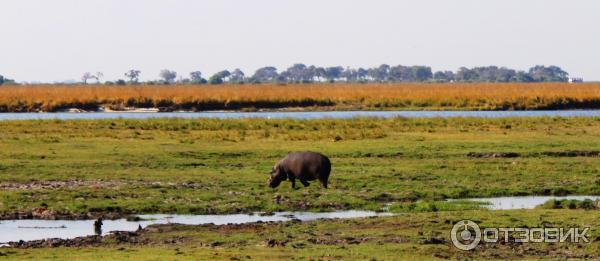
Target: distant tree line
column 6, row 80
column 300, row 73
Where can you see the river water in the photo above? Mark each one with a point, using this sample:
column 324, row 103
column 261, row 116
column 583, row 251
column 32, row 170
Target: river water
column 27, row 230
column 526, row 202
column 297, row 115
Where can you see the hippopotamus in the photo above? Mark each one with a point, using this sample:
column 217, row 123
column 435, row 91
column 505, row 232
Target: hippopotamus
column 304, row 166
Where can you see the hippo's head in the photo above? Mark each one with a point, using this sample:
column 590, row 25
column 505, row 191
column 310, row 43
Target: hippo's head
column 277, row 176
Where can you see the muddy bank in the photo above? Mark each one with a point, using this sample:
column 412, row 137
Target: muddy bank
column 493, row 155
column 558, row 154
column 577, row 153
column 49, row 214
column 37, row 185
column 164, row 105
column 89, row 241
column 96, row 184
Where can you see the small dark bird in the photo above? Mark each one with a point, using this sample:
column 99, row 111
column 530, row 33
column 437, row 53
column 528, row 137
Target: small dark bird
column 98, row 227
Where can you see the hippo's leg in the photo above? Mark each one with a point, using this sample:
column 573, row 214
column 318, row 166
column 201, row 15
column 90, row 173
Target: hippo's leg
column 324, row 183
column 305, row 183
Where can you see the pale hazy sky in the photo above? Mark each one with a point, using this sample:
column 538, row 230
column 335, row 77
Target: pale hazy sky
column 55, row 40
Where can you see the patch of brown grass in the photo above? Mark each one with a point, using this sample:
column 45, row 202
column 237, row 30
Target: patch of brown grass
column 364, row 96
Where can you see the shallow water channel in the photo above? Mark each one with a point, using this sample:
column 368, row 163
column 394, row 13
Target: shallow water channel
column 27, row 230
column 295, row 115
column 526, row 202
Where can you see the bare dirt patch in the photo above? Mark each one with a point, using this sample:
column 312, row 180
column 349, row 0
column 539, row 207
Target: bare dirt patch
column 96, row 184
column 493, row 155
column 573, row 153
column 39, row 185
column 89, row 241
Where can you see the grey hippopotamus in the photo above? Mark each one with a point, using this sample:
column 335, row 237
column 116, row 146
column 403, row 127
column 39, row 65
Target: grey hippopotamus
column 303, row 166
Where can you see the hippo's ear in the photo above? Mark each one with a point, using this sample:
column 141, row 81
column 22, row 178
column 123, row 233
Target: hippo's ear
column 274, row 168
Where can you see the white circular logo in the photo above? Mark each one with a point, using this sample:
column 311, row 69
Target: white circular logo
column 466, row 240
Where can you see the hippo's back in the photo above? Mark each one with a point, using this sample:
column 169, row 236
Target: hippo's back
column 308, row 163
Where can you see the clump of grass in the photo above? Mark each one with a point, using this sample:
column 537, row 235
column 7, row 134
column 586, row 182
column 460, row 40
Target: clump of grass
column 569, row 204
column 479, row 96
column 435, row 206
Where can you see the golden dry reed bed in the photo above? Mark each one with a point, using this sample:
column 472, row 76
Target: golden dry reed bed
column 454, row 96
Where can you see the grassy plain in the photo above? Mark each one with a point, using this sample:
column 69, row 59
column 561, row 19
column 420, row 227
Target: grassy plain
column 221, row 166
column 455, row 96
column 416, row 236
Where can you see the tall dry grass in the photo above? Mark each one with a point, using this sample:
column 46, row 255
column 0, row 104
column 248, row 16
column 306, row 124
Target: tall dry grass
column 362, row 96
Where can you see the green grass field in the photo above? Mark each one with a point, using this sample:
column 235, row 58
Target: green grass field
column 222, row 166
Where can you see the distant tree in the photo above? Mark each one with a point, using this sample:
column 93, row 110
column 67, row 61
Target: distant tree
column 265, row 74
column 220, row 77
column 215, row 80
column 133, row 75
column 237, row 76
column 397, row 73
column 319, row 73
column 121, row 82
column 362, row 74
column 86, row 77
column 298, row 73
column 465, row 75
column 522, row 76
column 422, row 73
column 196, row 78
column 333, row 73
column 350, row 75
column 443, row 76
column 485, row 74
column 98, row 76
column 491, row 74
column 311, row 74
column 541, row 73
column 225, row 74
column 168, row 76
column 1, row 79
column 184, row 80
column 380, row 74
column 505, row 75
